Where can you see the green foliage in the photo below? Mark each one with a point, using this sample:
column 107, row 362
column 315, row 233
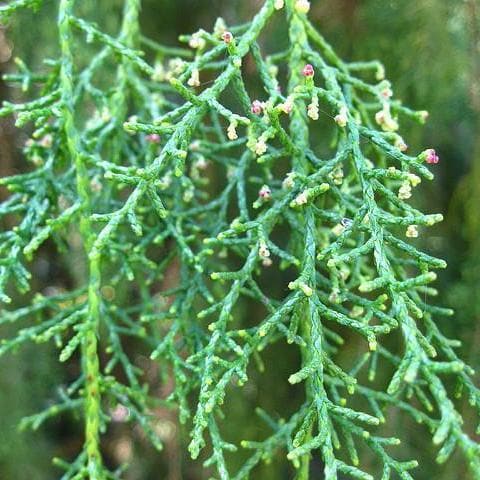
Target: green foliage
column 175, row 198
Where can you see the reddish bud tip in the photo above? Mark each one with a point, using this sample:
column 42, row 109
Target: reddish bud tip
column 227, row 37
column 257, row 107
column 308, row 70
column 153, row 138
column 431, row 156
column 265, row 192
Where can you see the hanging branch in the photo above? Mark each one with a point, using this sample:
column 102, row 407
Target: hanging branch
column 127, row 172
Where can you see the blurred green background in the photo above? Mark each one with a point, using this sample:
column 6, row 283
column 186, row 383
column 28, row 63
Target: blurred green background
column 431, row 51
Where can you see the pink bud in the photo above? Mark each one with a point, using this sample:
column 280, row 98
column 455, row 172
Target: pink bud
column 265, row 193
column 308, row 70
column 257, row 107
column 386, row 92
column 227, row 37
column 120, row 413
column 431, row 156
column 46, row 141
column 153, row 138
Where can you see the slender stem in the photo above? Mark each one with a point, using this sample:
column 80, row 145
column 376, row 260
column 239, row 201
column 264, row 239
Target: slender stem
column 311, row 324
column 130, row 36
column 91, row 364
column 299, row 129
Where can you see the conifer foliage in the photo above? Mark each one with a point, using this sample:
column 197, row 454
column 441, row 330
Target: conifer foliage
column 176, row 197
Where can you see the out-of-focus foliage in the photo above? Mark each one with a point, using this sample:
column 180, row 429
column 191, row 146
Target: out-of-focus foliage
column 426, row 46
